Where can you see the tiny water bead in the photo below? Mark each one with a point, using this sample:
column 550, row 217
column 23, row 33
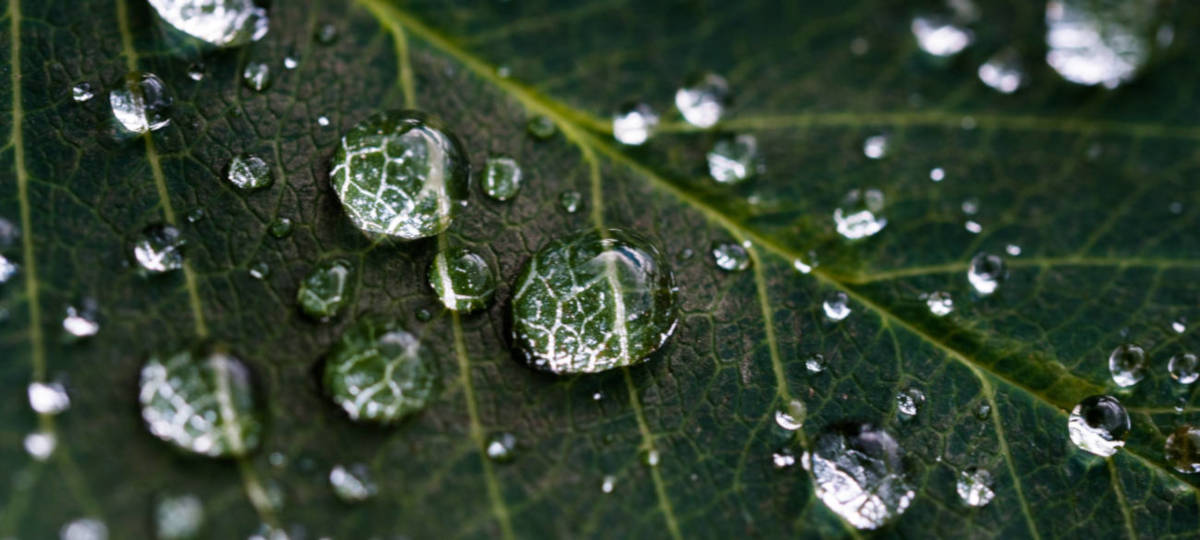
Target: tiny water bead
column 939, row 303
column 48, row 398
column 1012, row 249
column 82, row 92
column 501, row 178
column 815, row 363
column 291, row 62
column 1099, row 424
column 352, row 484
column 281, row 227
column 702, row 99
column 140, row 103
column 734, row 159
column 983, row 411
column 195, row 72
column 326, row 289
column 196, row 215
column 570, row 201
column 939, row 36
column 791, row 417
column 399, row 173
column 40, row 445
column 541, row 127
column 8, row 269
column 836, row 306
column 1127, row 364
column 783, row 459
column 634, row 123
column 975, row 486
column 909, row 402
column 222, row 23
column 178, row 517
column 1182, row 449
column 1184, row 368
column 593, row 301
column 650, row 457
column 937, row 174
column 608, row 483
column 326, row 33
column 986, row 273
column 730, row 257
column 1003, row 72
column 256, row 76
column 159, row 249
column 973, row 226
column 201, row 402
column 501, row 447
column 378, row 372
column 82, row 320
column 84, row 529
column 857, row 217
column 858, row 472
column 249, row 172
column 875, row 147
column 463, row 280
column 1091, row 43
column 260, row 270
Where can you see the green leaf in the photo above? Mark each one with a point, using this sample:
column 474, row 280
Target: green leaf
column 1097, row 188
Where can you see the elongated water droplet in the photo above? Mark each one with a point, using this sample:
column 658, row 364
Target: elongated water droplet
column 256, row 76
column 178, row 518
column 281, row 227
column 1012, row 249
column 986, row 272
column 734, row 159
column 378, row 372
column 1184, row 368
column 82, row 320
column 570, row 201
column 975, row 486
column 1003, row 72
column 48, row 398
column 593, row 301
column 909, row 402
column 159, row 249
column 223, row 23
column 730, row 257
column 82, row 92
column 463, row 280
column 783, row 459
column 857, row 217
column 249, row 172
column 400, row 174
column 702, row 100
column 502, row 447
column 939, row 303
column 1092, row 43
column 140, row 103
column 40, row 444
column 1127, row 364
column 858, row 472
column 1179, row 326
column 260, row 270
column 201, row 402
column 633, row 123
column 84, row 529
column 1182, row 449
column 501, row 178
column 541, row 127
column 939, row 36
column 876, row 146
column 1098, row 424
column 326, row 289
column 836, row 306
column 323, row 121
column 352, row 484
column 791, row 417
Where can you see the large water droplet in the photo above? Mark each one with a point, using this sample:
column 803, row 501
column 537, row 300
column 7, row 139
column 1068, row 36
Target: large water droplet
column 939, row 303
column 249, row 172
column 48, row 398
column 634, row 123
column 378, row 372
column 326, row 33
column 1003, row 72
column 352, row 484
column 836, row 306
column 1182, row 449
column 502, row 447
column 939, row 36
column 1127, row 364
column 140, row 103
column 84, row 529
column 592, row 301
column 702, row 100
column 857, row 217
column 791, row 417
column 730, row 257
column 1099, row 424
column 159, row 249
column 1094, row 42
column 1184, row 368
column 202, row 403
column 82, row 92
column 975, row 486
column 463, row 280
column 400, row 174
column 223, row 23
column 734, row 159
column 858, row 472
column 178, row 518
column 501, row 178
column 256, row 76
column 986, row 272
column 326, row 289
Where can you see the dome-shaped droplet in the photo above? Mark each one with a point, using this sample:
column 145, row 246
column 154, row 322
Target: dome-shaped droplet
column 1099, row 424
column 570, row 201
column 815, row 363
column 140, row 103
column 249, row 172
column 858, row 472
column 501, row 178
column 1127, row 364
column 1091, row 42
column 939, row 36
column 836, row 306
column 463, row 280
column 326, row 289
column 256, row 76
column 82, row 92
column 541, row 127
column 400, row 174
column 1003, row 72
column 634, row 123
column 281, row 227
column 939, row 303
column 178, row 518
column 202, row 403
column 501, row 447
column 986, row 272
column 730, row 257
column 593, row 301
column 1184, row 368
column 791, row 417
column 352, row 484
column 159, row 249
column 378, row 372
column 909, row 402
column 975, row 486
column 875, row 146
column 858, row 215
column 702, row 100
column 223, row 23
column 1183, row 449
column 83, row 319
column 734, row 159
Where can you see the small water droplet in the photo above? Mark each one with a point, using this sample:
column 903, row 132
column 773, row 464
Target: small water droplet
column 8, row 269
column 228, row 23
column 48, row 398
column 249, row 172
column 379, row 372
column 939, row 36
column 82, row 92
column 1003, row 71
column 323, row 121
column 940, row 303
column 1012, row 249
column 260, row 270
column 815, row 363
column 791, row 417
column 650, row 458
column 857, row 217
column 1099, row 424
column 195, row 72
column 1184, row 368
column 909, row 401
column 140, row 103
column 84, row 529
column 179, row 517
column 983, row 412
column 570, row 201
column 975, row 486
column 502, row 447
column 1179, row 326
column 82, row 320
column 836, row 306
column 503, row 71
column 291, row 62
column 501, row 178
column 608, row 483
column 281, row 227
column 783, row 459
column 1091, row 43
column 352, row 484
column 1182, row 449
column 858, row 472
column 730, row 257
column 734, row 159
column 326, row 289
column 463, row 280
column 159, row 249
column 970, row 206
column 326, row 33
column 1127, row 364
column 802, row 266
column 256, row 76
column 986, row 272
column 40, row 445
column 597, row 396
column 541, row 127
column 876, row 146
column 973, row 226
column 196, row 215
column 1175, row 207
column 634, row 123
column 702, row 99
column 424, row 315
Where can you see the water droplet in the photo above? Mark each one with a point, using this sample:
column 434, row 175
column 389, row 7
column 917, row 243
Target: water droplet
column 836, row 306
column 352, row 484
column 939, row 36
column 82, row 320
column 195, row 72
column 815, row 363
column 424, row 315
column 326, row 33
column 378, row 372
column 40, row 445
column 463, row 280
column 609, row 482
column 792, row 416
column 1099, row 424
column 875, row 147
column 1127, row 364
column 8, row 269
column 650, row 458
column 970, row 206
column 983, row 412
column 1012, row 249
column 502, row 447
column 1094, row 43
column 326, row 289
column 48, row 398
column 400, row 174
column 633, row 123
column 291, row 62
column 857, row 216
column 702, row 99
column 937, row 174
column 909, row 401
column 260, row 270
column 593, row 301
column 597, row 396
column 1178, row 326
column 159, row 249
column 1184, row 368
column 84, row 529
column 501, row 178
column 201, row 402
column 141, row 104
column 802, row 266
column 975, row 486
column 734, row 159
column 986, row 272
column 973, row 226
column 256, row 76
column 281, row 227
column 570, row 201
column 858, row 472
column 323, row 121
column 940, row 303
column 1003, row 72
column 1182, row 449
column 783, row 459
column 730, row 257
column 541, row 127
column 82, row 92
column 227, row 23
column 196, row 215
column 249, row 172
column 178, row 518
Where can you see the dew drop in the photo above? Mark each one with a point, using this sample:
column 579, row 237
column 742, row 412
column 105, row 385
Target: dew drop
column 326, row 289
column 1178, row 326
column 196, row 215
column 260, row 270
column 836, row 306
column 986, row 272
column 609, row 482
column 815, row 363
column 939, row 36
column 83, row 320
column 937, row 174
column 141, row 104
column 463, row 280
column 975, row 486
column 379, row 372
column 730, row 257
column 791, row 417
column 281, row 227
column 909, row 402
column 400, row 174
column 1182, row 449
column 940, row 303
column 1091, row 43
column 291, row 62
column 1184, row 368
column 424, row 315
column 983, row 412
column 1098, row 424
column 84, row 529
column 650, row 458
column 875, row 147
column 857, row 217
column 256, row 76
column 82, row 92
column 858, row 472
column 502, row 447
column 179, row 517
column 326, row 33
column 783, row 459
column 195, row 72
column 1127, row 364
column 501, row 178
column 570, row 201
column 40, row 445
column 734, row 159
column 352, row 484
column 973, row 226
column 48, row 398
column 1012, row 249
column 8, row 269
column 634, row 123
column 702, row 99
column 323, row 121
column 1003, row 72
column 159, row 249
column 249, row 172
column 224, row 23
column 541, row 127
